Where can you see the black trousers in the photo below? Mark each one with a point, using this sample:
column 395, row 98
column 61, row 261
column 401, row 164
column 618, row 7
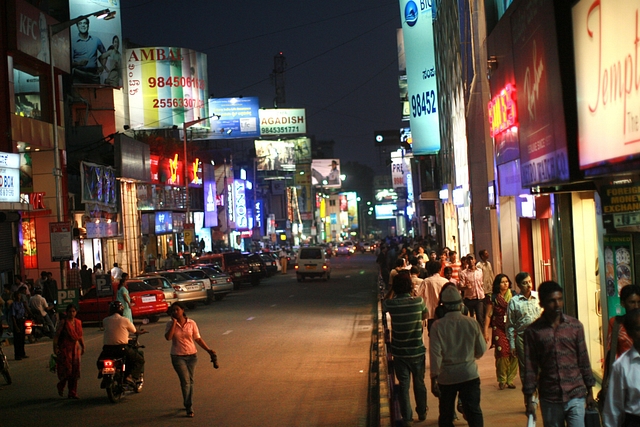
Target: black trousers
column 631, row 420
column 18, row 339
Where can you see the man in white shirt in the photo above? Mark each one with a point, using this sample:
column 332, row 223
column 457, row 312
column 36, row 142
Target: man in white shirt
column 487, row 272
column 471, row 283
column 39, row 306
column 622, row 404
column 116, row 340
column 430, row 288
column 116, row 272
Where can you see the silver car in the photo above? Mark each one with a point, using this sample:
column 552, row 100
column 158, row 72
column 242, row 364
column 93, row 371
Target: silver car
column 162, row 284
column 220, row 284
column 187, row 289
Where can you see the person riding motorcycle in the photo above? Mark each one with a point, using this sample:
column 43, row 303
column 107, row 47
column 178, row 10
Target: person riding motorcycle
column 116, row 341
column 39, row 309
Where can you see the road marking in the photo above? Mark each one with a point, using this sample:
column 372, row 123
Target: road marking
column 273, row 305
column 346, row 277
column 227, row 332
column 251, row 318
column 291, row 296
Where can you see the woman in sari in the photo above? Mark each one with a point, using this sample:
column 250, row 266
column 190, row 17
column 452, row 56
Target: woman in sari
column 506, row 363
column 68, row 346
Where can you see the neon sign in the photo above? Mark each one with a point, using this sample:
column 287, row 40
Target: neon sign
column 242, row 222
column 503, row 111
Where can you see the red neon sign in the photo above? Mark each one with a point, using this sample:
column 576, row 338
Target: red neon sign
column 503, row 111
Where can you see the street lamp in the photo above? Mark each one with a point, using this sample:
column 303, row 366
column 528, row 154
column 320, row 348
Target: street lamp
column 57, row 170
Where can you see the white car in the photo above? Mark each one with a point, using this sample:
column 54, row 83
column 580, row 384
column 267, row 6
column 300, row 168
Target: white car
column 312, row 262
column 345, row 248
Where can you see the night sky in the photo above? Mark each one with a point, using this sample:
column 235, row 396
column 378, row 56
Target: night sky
column 341, row 58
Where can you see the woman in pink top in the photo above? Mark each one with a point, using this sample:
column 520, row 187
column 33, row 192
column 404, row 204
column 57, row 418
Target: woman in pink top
column 184, row 334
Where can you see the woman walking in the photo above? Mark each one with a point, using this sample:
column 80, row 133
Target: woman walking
column 68, row 346
column 124, row 298
column 506, row 363
column 184, row 334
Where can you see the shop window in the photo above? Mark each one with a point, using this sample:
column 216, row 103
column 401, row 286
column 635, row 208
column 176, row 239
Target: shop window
column 27, row 89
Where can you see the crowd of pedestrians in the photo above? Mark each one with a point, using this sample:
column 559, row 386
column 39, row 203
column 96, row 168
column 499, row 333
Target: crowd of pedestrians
column 464, row 308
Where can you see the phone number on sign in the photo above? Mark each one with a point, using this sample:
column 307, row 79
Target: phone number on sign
column 279, row 129
column 176, row 82
column 178, row 103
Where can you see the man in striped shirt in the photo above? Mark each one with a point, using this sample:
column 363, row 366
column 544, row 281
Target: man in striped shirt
column 407, row 318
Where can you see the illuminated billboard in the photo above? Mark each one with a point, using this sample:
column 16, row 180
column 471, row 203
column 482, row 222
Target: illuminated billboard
column 210, row 205
column 606, row 64
column 167, row 86
column 96, row 44
column 326, row 173
column 240, row 201
column 400, row 168
column 238, row 117
column 422, row 91
column 385, row 211
column 282, row 121
column 9, row 177
column 275, row 155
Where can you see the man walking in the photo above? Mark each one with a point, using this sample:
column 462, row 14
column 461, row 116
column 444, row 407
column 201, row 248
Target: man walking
column 430, row 289
column 455, row 342
column 487, row 272
column 522, row 310
column 407, row 316
column 471, row 283
column 557, row 363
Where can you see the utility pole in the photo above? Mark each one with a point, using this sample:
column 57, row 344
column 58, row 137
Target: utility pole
column 277, row 77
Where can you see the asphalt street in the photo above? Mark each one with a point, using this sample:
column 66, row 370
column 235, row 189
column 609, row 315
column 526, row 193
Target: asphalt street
column 290, row 354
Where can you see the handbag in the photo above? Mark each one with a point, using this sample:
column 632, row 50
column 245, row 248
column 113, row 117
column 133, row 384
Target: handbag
column 608, row 361
column 592, row 418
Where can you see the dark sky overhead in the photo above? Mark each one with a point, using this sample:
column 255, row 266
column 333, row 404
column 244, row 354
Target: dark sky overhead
column 341, row 58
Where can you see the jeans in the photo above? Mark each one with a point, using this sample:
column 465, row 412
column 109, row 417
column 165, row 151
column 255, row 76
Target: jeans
column 185, row 367
column 405, row 369
column 555, row 414
column 470, row 398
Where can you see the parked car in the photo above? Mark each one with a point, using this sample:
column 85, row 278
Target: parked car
column 220, row 284
column 146, row 302
column 257, row 268
column 162, row 284
column 367, row 247
column 232, row 263
column 270, row 262
column 312, row 262
column 345, row 248
column 189, row 291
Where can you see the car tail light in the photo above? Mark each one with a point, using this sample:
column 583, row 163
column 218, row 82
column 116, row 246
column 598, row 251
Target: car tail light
column 176, row 287
column 28, row 324
column 324, row 266
column 229, row 280
column 295, row 267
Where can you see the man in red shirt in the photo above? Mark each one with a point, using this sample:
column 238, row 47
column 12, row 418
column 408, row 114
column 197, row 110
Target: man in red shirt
column 557, row 363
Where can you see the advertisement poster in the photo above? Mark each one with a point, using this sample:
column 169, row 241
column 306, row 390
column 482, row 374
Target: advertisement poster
column 238, row 117
column 542, row 132
column 400, row 169
column 32, row 36
column 61, row 238
column 618, row 267
column 98, row 184
column 9, row 177
column 167, row 86
column 96, row 44
column 210, row 206
column 282, row 121
column 606, row 63
column 422, row 91
column 275, row 155
column 326, row 173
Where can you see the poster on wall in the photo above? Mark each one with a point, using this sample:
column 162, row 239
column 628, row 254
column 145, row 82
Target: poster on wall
column 96, row 44
column 542, row 132
column 61, row 238
column 422, row 91
column 98, row 184
column 275, row 155
column 167, row 86
column 32, row 36
column 618, row 267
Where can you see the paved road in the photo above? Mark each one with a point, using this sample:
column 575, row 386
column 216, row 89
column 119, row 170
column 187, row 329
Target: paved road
column 290, row 354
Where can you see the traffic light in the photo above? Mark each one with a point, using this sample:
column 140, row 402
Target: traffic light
column 387, row 137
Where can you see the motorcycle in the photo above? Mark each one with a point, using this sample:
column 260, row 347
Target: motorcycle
column 112, row 371
column 4, row 366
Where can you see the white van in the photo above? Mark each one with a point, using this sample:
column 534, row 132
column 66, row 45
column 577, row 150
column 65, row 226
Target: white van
column 312, row 262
